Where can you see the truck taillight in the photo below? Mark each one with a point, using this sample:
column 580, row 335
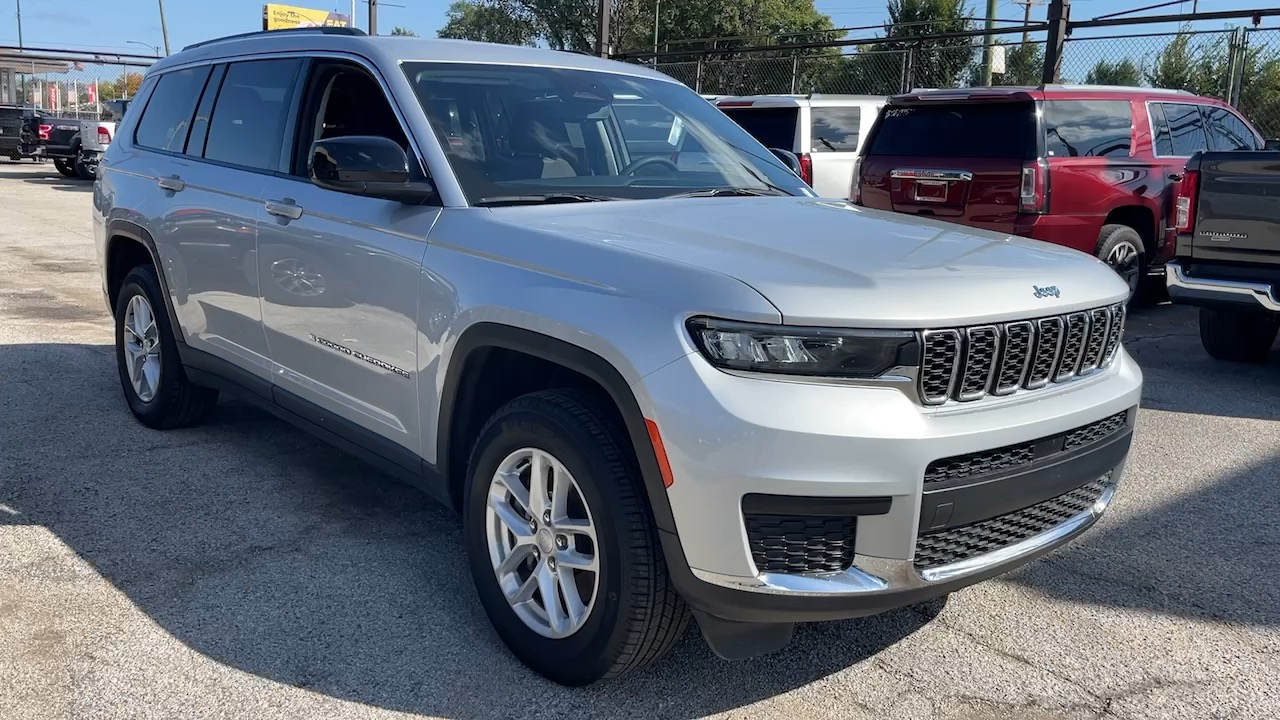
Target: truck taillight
column 44, row 130
column 806, row 168
column 855, row 185
column 1033, row 192
column 1184, row 204
column 104, row 136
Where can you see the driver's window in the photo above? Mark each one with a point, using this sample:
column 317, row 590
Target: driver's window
column 343, row 100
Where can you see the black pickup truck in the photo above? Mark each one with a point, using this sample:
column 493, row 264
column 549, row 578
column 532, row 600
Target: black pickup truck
column 13, row 120
column 55, row 138
column 1227, row 257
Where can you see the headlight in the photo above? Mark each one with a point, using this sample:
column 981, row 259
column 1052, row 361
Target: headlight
column 827, row 352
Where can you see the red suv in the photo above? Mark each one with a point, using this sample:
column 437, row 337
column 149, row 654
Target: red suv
column 1083, row 166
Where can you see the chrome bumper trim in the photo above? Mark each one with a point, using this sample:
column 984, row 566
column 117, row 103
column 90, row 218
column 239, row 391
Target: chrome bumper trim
column 1259, row 292
column 876, row 576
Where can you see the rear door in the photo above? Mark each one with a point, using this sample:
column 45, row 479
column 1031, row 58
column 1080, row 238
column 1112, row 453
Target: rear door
column 776, row 126
column 954, row 160
column 834, row 135
column 10, row 130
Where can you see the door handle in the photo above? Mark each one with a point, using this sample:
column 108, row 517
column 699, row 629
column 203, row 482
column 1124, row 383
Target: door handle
column 285, row 208
column 172, row 183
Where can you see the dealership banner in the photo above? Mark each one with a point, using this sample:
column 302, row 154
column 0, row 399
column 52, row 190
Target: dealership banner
column 280, row 17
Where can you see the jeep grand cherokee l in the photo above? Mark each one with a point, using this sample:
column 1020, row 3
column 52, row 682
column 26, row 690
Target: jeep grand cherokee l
column 1087, row 167
column 655, row 390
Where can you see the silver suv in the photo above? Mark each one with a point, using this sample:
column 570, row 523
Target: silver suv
column 659, row 379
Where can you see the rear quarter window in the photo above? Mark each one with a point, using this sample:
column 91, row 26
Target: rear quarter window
column 773, row 127
column 1088, row 128
column 835, row 129
column 977, row 130
column 167, row 117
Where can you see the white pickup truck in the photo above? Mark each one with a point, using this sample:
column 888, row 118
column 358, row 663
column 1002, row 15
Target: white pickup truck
column 95, row 136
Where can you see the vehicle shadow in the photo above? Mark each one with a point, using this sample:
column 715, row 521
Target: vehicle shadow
column 1180, row 376
column 63, row 183
column 272, row 553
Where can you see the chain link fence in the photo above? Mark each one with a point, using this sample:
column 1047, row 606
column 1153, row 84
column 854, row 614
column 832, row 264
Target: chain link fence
column 67, row 88
column 1239, row 65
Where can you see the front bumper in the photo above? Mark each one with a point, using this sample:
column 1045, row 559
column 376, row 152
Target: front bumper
column 730, row 438
column 1189, row 290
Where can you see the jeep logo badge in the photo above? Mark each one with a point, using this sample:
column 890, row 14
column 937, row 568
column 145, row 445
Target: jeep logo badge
column 1046, row 291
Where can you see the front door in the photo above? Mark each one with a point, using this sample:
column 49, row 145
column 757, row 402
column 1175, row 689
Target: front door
column 339, row 273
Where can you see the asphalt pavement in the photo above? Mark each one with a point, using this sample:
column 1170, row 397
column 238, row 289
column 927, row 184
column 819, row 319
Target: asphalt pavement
column 244, row 570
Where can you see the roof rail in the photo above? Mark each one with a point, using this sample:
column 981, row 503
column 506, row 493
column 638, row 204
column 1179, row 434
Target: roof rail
column 327, row 30
column 1113, row 88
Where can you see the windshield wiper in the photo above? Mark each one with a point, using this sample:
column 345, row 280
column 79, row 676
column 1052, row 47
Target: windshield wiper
column 539, row 199
column 826, row 142
column 727, row 192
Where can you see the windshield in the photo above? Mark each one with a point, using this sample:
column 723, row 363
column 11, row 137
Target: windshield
column 518, row 131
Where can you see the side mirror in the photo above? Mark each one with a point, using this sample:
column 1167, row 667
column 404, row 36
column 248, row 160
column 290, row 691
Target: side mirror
column 1272, row 144
column 365, row 165
column 788, row 158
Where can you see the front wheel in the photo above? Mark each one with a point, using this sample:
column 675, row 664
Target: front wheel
column 64, row 167
column 1237, row 335
column 563, row 549
column 1120, row 247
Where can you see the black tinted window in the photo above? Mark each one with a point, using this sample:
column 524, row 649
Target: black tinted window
column 838, row 127
column 985, row 130
column 773, row 127
column 167, row 117
column 1182, row 130
column 1081, row 128
column 1228, row 132
column 247, row 125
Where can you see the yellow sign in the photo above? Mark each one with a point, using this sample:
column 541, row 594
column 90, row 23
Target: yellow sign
column 280, row 17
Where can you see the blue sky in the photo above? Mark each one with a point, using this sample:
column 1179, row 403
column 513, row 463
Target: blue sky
column 111, row 25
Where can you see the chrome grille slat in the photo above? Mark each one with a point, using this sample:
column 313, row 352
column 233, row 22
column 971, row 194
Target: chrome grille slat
column 969, row 363
column 1015, row 357
column 1048, row 346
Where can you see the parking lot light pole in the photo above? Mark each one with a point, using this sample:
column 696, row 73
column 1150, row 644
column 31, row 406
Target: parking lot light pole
column 153, row 48
column 164, row 29
column 19, row 24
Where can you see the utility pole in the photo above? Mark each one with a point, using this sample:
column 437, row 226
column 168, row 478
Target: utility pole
column 657, row 4
column 373, row 17
column 352, row 19
column 602, row 33
column 164, row 29
column 19, row 24
column 1026, row 16
column 987, row 41
column 1059, row 23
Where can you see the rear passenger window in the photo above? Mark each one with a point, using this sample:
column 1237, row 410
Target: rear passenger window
column 167, row 116
column 1182, row 132
column 836, row 129
column 247, row 126
column 773, row 127
column 1087, row 128
column 1227, row 131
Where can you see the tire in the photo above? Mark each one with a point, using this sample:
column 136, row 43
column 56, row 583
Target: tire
column 64, row 167
column 85, row 172
column 1121, row 248
column 635, row 616
column 1237, row 335
column 169, row 400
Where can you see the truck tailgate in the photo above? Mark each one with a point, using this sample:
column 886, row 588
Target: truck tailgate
column 1238, row 208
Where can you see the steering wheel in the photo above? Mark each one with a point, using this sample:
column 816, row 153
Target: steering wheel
column 635, row 165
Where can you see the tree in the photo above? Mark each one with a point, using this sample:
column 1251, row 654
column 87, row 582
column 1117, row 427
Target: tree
column 126, row 84
column 1120, row 72
column 403, row 31
column 934, row 63
column 486, row 22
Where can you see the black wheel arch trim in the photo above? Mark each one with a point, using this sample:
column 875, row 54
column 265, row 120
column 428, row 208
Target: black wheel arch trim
column 484, row 335
column 119, row 228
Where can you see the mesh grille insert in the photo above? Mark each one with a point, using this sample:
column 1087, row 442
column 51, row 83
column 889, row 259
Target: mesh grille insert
column 800, row 543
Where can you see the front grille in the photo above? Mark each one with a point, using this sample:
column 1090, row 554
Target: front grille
column 1011, row 457
column 800, row 543
column 970, row 363
column 961, row 543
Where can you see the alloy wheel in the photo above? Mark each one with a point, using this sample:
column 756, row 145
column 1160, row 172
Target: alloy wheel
column 142, row 348
column 542, row 543
column 1124, row 259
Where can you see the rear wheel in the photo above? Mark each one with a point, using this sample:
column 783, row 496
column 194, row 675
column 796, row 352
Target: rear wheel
column 562, row 546
column 84, row 171
column 1238, row 335
column 1120, row 247
column 64, row 167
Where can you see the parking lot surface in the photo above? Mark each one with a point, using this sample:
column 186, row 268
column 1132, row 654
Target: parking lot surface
column 244, row 570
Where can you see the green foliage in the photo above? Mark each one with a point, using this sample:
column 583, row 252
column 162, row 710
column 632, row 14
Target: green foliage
column 1120, row 72
column 935, row 63
column 403, row 31
column 488, row 22
column 1023, row 65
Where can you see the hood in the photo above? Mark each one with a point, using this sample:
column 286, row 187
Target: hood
column 826, row 262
